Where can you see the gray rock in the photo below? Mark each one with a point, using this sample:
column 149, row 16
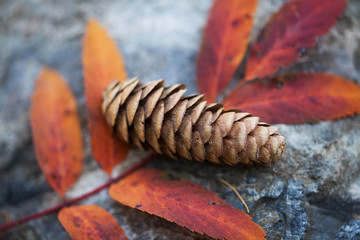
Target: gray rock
column 350, row 230
column 313, row 192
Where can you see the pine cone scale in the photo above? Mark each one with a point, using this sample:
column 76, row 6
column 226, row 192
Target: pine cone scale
column 158, row 118
column 139, row 124
column 126, row 90
column 151, row 102
column 122, row 126
column 162, row 119
column 168, row 135
column 204, row 126
column 148, row 88
column 173, row 99
column 178, row 114
column 181, row 148
column 216, row 141
column 196, row 112
column 132, row 106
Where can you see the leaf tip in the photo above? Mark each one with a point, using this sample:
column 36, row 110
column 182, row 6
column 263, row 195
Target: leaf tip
column 93, row 23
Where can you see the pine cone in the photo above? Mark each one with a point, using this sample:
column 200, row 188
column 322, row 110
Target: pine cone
column 160, row 118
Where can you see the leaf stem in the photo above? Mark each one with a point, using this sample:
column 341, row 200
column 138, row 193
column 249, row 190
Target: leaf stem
column 77, row 199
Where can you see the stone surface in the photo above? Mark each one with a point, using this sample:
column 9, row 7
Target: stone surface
column 313, row 192
column 350, row 230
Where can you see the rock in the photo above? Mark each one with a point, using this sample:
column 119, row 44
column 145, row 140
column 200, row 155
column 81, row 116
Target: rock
column 350, row 230
column 313, row 192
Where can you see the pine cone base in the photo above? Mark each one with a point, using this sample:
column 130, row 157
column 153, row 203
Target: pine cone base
column 153, row 117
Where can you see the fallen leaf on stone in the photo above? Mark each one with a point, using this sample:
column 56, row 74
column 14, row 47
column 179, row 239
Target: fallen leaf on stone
column 293, row 29
column 298, row 98
column 90, row 222
column 56, row 131
column 225, row 40
column 184, row 203
column 102, row 63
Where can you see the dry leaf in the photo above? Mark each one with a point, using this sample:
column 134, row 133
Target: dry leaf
column 102, row 63
column 293, row 29
column 90, row 223
column 224, row 43
column 56, row 131
column 184, row 203
column 299, row 98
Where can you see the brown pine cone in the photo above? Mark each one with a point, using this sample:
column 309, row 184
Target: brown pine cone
column 160, row 118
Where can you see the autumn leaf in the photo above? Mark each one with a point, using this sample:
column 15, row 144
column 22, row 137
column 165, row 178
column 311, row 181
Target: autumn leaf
column 303, row 97
column 56, row 131
column 224, row 44
column 292, row 29
column 102, row 63
column 90, row 223
column 184, row 203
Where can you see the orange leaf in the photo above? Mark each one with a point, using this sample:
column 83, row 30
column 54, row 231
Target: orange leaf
column 102, row 63
column 304, row 97
column 224, row 44
column 185, row 203
column 292, row 29
column 90, row 222
column 56, row 131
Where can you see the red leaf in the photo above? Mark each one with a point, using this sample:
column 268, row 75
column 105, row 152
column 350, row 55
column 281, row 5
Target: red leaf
column 292, row 29
column 185, row 203
column 304, row 97
column 102, row 63
column 90, row 222
column 224, row 44
column 56, row 131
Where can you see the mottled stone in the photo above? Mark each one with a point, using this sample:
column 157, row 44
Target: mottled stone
column 313, row 192
column 349, row 231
